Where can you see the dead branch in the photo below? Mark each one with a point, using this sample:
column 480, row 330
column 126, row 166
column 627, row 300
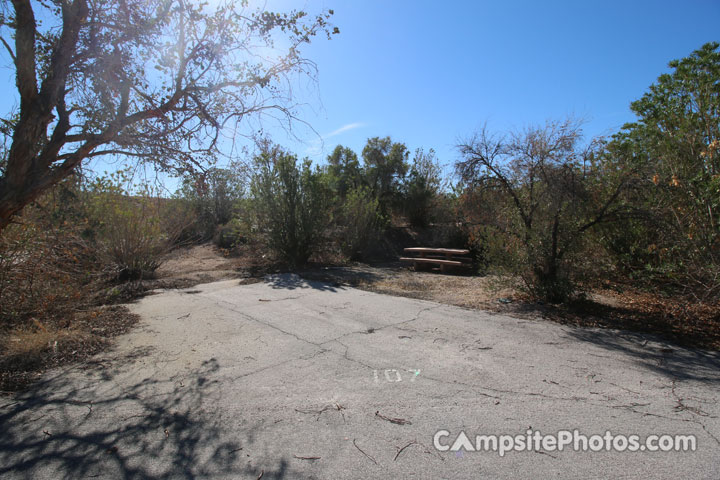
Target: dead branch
column 330, row 406
column 400, row 450
column 361, row 451
column 397, row 421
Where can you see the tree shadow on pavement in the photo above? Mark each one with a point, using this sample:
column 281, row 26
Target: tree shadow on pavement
column 655, row 354
column 350, row 276
column 72, row 427
column 292, row 281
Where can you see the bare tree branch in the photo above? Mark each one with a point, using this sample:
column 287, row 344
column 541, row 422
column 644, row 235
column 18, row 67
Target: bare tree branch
column 154, row 79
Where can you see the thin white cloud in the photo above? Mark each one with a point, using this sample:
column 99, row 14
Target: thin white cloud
column 344, row 128
column 317, row 147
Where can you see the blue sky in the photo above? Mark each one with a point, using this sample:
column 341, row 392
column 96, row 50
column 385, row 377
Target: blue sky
column 430, row 73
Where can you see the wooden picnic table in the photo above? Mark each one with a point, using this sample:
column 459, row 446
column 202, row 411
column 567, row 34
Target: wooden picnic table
column 440, row 257
column 448, row 252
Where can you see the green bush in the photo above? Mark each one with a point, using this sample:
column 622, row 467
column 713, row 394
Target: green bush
column 290, row 204
column 230, row 235
column 361, row 222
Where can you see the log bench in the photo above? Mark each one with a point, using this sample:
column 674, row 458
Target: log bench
column 443, row 258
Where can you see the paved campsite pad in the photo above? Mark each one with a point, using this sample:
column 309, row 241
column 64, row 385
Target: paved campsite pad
column 284, row 378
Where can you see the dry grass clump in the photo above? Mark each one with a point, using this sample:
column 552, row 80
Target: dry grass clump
column 26, row 351
column 51, row 283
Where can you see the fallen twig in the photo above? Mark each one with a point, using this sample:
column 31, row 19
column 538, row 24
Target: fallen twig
column 330, row 406
column 545, row 453
column 262, row 472
column 300, row 457
column 400, row 450
column 397, row 421
column 361, row 451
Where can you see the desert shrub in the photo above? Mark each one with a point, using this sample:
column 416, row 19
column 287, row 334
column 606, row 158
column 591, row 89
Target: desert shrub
column 539, row 193
column 129, row 229
column 51, row 287
column 212, row 198
column 45, row 262
column 231, row 234
column 360, row 222
column 290, row 205
column 179, row 220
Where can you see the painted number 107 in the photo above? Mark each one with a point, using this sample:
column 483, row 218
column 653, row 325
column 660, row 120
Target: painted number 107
column 392, row 375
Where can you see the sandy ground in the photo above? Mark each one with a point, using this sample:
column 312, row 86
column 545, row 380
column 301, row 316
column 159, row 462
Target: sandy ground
column 200, row 264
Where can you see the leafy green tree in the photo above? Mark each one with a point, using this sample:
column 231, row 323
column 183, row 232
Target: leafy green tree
column 156, row 80
column 422, row 187
column 675, row 146
column 344, row 170
column 385, row 164
column 290, row 204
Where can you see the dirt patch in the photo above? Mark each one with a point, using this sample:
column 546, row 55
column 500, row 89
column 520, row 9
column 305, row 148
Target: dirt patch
column 684, row 321
column 189, row 266
column 487, row 293
column 25, row 353
column 200, row 264
column 206, row 263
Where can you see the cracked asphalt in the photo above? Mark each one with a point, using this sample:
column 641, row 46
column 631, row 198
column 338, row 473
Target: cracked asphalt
column 295, row 379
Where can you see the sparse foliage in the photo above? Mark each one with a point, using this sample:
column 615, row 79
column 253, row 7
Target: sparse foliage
column 552, row 191
column 45, row 261
column 212, row 197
